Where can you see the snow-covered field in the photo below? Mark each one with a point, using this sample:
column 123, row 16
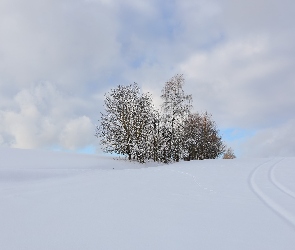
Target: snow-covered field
column 60, row 201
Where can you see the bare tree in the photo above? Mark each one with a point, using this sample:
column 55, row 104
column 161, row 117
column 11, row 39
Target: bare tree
column 175, row 108
column 229, row 154
column 192, row 136
column 202, row 139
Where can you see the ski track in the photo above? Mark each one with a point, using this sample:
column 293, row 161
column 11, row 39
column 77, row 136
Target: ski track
column 278, row 184
column 281, row 211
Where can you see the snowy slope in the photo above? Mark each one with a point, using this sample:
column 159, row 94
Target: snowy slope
column 59, row 201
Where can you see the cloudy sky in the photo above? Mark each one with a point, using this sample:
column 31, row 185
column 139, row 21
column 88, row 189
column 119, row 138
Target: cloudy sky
column 59, row 57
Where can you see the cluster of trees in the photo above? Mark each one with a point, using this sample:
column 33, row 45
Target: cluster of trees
column 132, row 126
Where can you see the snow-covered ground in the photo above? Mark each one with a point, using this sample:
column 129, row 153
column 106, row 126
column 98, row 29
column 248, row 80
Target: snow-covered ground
column 59, row 201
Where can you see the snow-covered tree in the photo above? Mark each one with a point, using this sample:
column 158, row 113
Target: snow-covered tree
column 127, row 124
column 175, row 108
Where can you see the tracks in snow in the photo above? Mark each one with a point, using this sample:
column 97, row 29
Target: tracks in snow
column 274, row 194
column 279, row 185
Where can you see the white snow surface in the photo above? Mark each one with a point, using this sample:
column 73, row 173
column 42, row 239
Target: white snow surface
column 62, row 201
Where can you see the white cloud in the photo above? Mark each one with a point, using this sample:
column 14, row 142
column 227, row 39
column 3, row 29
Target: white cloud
column 252, row 16
column 276, row 141
column 58, row 58
column 236, row 81
column 77, row 133
column 69, row 42
column 44, row 117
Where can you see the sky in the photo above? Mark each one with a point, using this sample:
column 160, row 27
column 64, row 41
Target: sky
column 59, row 57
